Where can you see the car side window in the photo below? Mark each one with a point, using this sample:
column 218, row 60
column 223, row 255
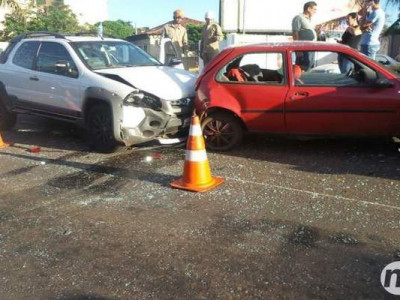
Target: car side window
column 326, row 68
column 25, row 54
column 54, row 58
column 264, row 68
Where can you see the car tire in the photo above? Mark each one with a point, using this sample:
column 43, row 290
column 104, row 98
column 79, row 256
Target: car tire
column 7, row 119
column 222, row 132
column 99, row 127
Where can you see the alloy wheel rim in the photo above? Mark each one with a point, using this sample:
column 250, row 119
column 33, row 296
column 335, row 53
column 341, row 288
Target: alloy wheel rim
column 219, row 133
column 101, row 128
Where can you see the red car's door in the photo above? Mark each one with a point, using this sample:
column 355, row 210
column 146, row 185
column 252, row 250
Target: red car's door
column 261, row 106
column 324, row 101
column 260, row 92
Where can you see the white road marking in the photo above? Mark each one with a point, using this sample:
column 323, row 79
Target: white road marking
column 313, row 193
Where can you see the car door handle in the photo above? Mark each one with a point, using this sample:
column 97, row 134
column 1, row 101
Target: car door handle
column 34, row 78
column 299, row 95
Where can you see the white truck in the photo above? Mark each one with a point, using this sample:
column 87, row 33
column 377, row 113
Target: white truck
column 258, row 21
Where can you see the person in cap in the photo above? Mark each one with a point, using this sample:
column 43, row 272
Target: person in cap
column 211, row 35
column 177, row 33
column 373, row 20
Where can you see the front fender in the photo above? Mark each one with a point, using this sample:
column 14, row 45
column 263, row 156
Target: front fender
column 94, row 95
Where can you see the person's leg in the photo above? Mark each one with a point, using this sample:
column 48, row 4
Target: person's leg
column 370, row 50
column 311, row 59
column 364, row 49
column 207, row 58
column 373, row 50
column 305, row 66
column 341, row 64
column 308, row 60
column 344, row 64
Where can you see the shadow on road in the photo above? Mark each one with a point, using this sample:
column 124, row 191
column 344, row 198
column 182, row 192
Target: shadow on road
column 367, row 157
column 84, row 297
column 90, row 172
column 46, row 133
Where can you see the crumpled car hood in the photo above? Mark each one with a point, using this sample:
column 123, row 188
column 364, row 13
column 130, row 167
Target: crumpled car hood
column 164, row 82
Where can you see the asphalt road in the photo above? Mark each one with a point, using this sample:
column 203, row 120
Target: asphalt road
column 294, row 219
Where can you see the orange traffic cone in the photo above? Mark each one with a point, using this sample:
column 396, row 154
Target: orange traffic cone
column 196, row 173
column 2, row 144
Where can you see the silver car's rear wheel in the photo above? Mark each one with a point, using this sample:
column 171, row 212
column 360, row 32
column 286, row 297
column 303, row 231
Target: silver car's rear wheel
column 7, row 119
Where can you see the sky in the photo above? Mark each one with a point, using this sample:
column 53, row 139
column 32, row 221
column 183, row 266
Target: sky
column 151, row 13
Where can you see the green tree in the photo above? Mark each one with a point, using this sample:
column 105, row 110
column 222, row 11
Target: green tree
column 119, row 29
column 194, row 35
column 55, row 18
column 14, row 24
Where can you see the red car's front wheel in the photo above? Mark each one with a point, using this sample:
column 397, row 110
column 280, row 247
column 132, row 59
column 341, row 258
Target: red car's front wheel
column 222, row 132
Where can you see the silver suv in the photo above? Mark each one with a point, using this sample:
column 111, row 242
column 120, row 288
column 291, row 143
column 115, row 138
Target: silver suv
column 118, row 92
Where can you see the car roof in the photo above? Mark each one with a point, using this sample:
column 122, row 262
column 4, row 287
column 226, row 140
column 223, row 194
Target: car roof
column 78, row 37
column 90, row 38
column 298, row 45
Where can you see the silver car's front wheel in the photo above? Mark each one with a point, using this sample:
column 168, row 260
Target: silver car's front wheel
column 100, row 128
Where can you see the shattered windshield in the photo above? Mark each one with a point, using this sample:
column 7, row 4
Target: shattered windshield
column 109, row 54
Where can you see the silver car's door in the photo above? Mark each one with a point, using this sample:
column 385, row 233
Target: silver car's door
column 58, row 86
column 18, row 74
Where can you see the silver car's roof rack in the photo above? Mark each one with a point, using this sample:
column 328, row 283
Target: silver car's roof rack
column 94, row 34
column 37, row 34
column 86, row 33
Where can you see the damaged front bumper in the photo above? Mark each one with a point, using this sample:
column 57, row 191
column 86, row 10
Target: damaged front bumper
column 140, row 124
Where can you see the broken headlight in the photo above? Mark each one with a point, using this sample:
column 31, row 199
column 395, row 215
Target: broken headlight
column 182, row 102
column 143, row 100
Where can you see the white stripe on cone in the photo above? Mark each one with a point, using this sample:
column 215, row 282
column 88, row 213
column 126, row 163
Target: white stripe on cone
column 196, row 155
column 195, row 130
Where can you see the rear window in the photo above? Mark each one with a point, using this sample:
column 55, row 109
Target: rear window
column 26, row 54
column 4, row 55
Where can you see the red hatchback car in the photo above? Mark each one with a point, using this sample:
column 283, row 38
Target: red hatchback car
column 296, row 88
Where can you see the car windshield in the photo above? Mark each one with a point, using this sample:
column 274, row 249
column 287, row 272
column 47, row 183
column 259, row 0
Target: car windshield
column 381, row 60
column 112, row 54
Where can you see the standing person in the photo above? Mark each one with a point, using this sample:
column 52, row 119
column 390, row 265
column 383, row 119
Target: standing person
column 351, row 37
column 373, row 18
column 211, row 34
column 177, row 33
column 303, row 30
